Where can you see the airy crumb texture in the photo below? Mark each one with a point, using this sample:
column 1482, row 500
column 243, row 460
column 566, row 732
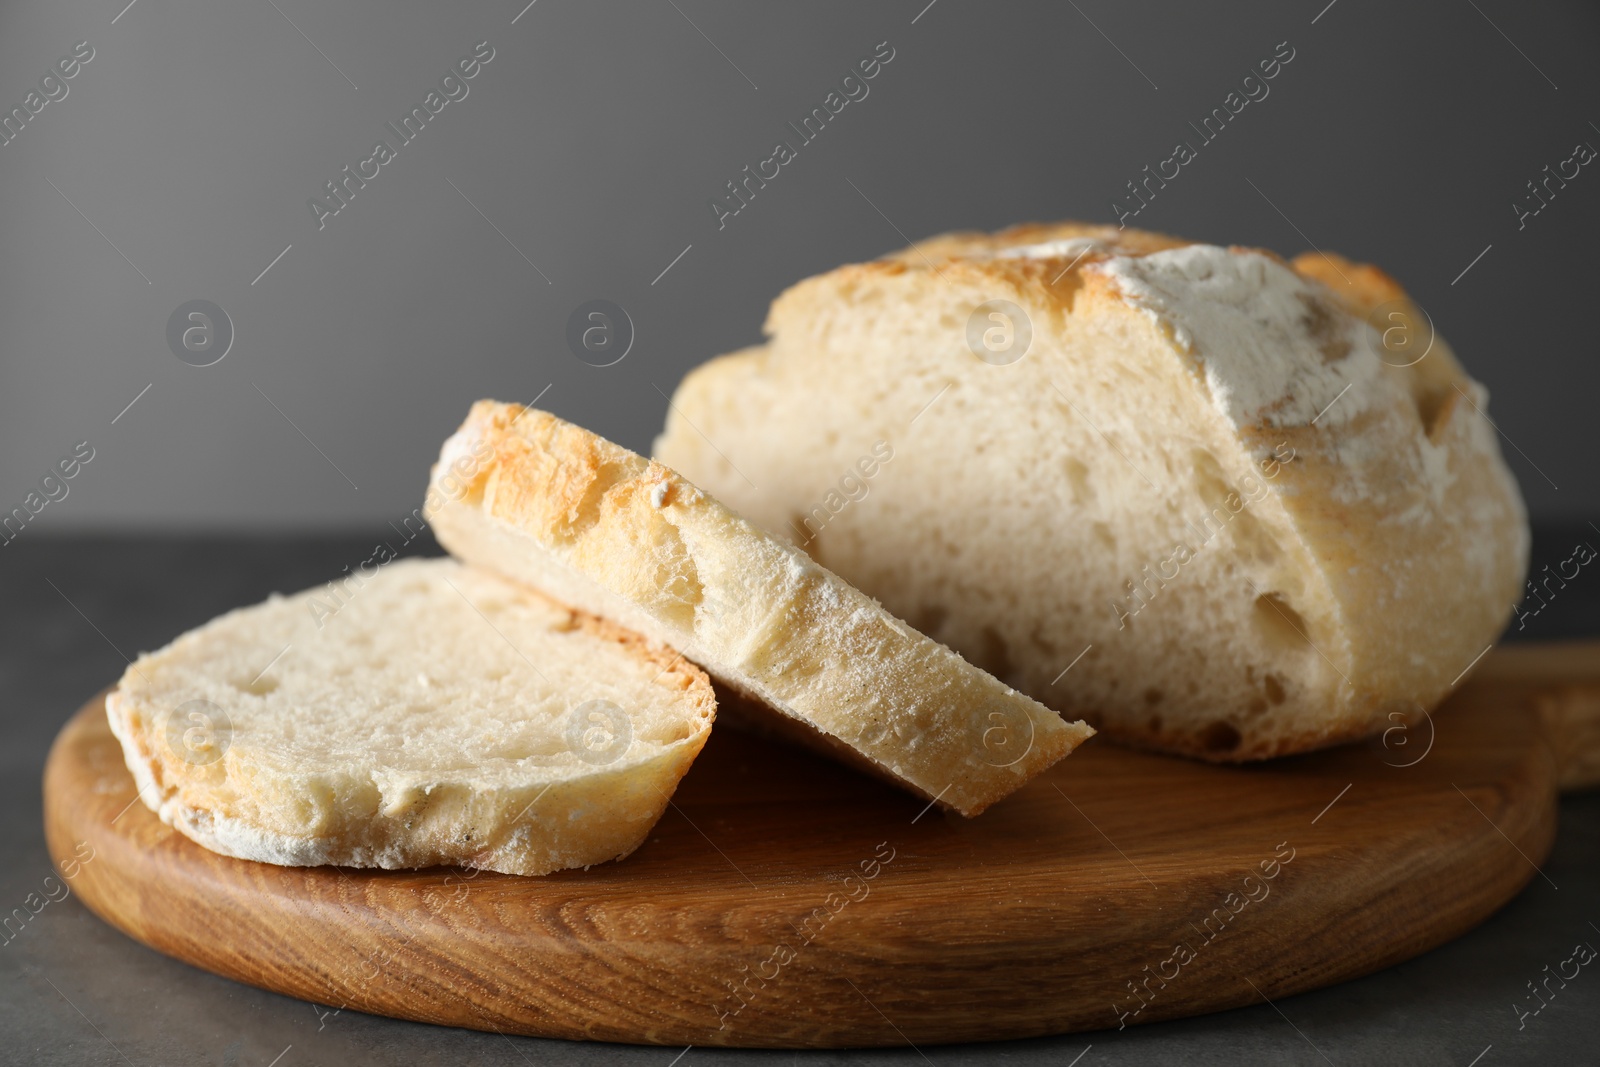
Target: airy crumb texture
column 412, row 715
column 549, row 503
column 1218, row 504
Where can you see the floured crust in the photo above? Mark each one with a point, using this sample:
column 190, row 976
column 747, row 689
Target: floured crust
column 550, row 504
column 1406, row 531
column 254, row 801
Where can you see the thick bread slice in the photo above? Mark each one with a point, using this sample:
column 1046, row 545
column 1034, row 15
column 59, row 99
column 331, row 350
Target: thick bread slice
column 1273, row 516
column 549, row 503
column 428, row 713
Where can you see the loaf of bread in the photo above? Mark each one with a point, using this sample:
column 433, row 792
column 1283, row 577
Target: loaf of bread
column 1212, row 502
column 425, row 713
column 550, row 504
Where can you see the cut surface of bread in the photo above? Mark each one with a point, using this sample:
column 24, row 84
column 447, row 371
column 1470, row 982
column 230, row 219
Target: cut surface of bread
column 591, row 523
column 1213, row 502
column 425, row 713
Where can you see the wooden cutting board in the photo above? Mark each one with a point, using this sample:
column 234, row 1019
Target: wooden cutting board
column 787, row 902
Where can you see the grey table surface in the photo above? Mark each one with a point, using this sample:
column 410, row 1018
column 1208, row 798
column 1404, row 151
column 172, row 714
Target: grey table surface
column 79, row 992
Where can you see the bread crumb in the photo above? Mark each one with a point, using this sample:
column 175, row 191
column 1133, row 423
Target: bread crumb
column 658, row 495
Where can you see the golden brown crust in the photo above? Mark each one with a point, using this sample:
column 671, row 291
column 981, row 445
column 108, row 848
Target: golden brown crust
column 1052, row 280
column 1359, row 286
column 676, row 672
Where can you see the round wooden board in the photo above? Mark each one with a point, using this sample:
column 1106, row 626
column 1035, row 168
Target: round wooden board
column 1118, row 888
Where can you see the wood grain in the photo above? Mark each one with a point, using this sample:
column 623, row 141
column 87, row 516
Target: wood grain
column 1568, row 699
column 1040, row 917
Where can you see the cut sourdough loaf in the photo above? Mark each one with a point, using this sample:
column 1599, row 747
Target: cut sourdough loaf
column 1263, row 524
column 428, row 714
column 591, row 523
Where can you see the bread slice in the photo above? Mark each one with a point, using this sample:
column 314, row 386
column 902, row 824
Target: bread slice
column 549, row 503
column 426, row 713
column 1260, row 499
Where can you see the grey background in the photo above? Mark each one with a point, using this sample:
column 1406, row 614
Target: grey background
column 593, row 141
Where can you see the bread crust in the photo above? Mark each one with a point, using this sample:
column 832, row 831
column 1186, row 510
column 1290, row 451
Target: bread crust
column 251, row 804
column 593, row 524
column 1413, row 528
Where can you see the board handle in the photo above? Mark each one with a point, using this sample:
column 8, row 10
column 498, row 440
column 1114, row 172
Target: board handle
column 1564, row 677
